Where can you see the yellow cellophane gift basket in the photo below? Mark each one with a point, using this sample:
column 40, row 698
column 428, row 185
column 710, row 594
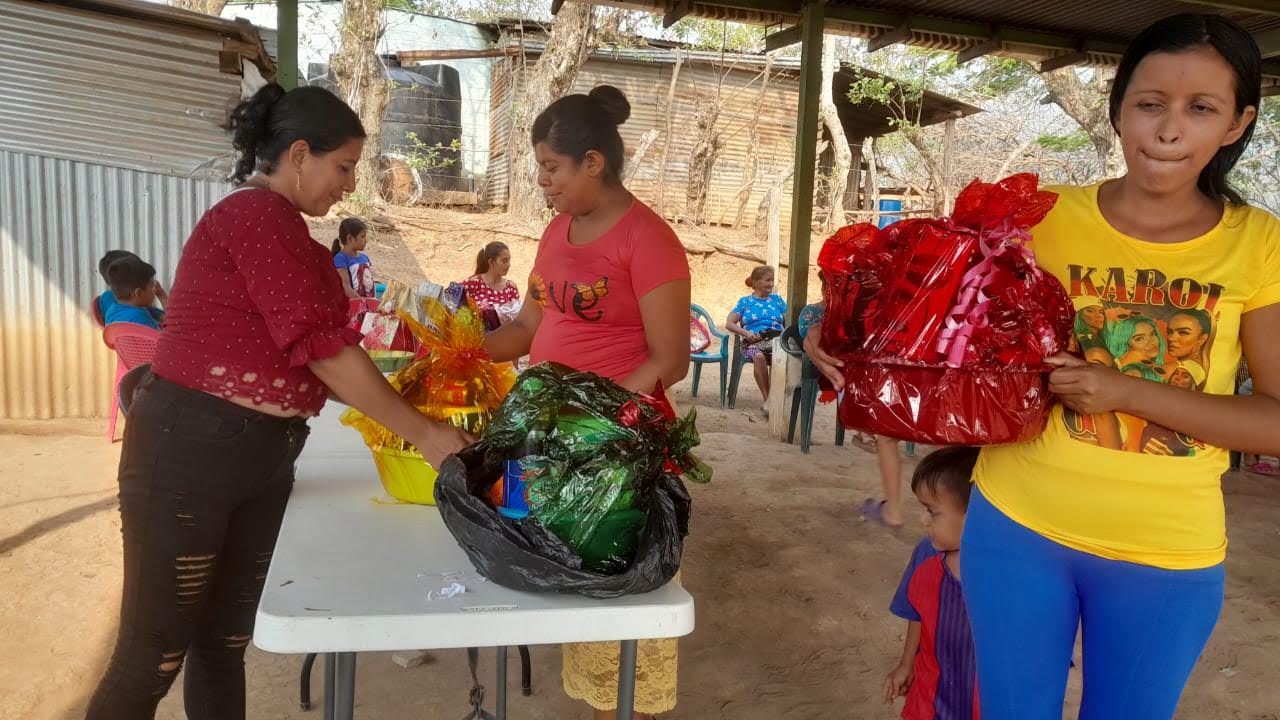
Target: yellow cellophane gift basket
column 452, row 380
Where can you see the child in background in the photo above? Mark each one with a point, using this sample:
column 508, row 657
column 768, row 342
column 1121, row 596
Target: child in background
column 887, row 512
column 757, row 318
column 134, row 287
column 107, row 298
column 354, row 267
column 937, row 672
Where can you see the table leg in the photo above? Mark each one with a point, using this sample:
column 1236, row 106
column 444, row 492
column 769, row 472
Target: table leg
column 344, row 695
column 500, row 695
column 330, row 672
column 627, row 680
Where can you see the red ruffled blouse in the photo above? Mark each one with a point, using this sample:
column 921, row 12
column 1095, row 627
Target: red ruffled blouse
column 254, row 300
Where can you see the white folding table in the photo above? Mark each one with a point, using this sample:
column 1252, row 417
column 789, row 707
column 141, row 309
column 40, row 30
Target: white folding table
column 351, row 574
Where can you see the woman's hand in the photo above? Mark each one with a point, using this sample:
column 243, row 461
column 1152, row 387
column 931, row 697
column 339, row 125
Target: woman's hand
column 1088, row 388
column 897, row 682
column 829, row 366
column 437, row 441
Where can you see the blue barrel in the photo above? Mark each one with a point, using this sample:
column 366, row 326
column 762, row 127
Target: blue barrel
column 889, row 210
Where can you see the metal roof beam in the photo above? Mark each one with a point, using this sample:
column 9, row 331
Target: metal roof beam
column 1079, row 57
column 782, row 39
column 901, row 33
column 986, row 47
column 677, row 12
column 1269, row 43
column 1267, row 7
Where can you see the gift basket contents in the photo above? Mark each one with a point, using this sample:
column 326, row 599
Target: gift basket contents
column 576, row 486
column 451, row 379
column 944, row 325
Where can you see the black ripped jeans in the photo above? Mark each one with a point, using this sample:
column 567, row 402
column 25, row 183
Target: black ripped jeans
column 203, row 486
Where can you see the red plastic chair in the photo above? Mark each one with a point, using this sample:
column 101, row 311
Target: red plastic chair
column 134, row 345
column 96, row 311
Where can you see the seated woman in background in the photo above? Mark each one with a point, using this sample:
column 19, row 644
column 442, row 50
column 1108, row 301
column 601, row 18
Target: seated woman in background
column 757, row 319
column 497, row 297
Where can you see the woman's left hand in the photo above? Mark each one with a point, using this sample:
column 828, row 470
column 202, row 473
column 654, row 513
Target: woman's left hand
column 1088, row 388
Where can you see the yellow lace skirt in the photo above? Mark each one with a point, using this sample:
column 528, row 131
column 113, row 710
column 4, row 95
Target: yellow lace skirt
column 590, row 673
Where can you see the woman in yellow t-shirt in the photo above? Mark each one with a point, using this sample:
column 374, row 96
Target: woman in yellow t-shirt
column 1112, row 520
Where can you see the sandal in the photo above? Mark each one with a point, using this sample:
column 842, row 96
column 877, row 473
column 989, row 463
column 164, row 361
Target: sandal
column 873, row 510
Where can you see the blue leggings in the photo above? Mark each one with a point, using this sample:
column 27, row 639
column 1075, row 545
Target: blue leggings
column 1144, row 627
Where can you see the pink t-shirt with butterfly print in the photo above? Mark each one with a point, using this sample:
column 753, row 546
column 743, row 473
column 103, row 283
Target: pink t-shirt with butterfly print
column 590, row 294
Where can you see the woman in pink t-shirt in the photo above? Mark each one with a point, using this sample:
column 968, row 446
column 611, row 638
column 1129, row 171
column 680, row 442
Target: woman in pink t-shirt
column 610, row 295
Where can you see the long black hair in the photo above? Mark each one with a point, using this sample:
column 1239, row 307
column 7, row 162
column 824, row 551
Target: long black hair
column 349, row 228
column 488, row 254
column 577, row 124
column 1185, row 32
column 265, row 125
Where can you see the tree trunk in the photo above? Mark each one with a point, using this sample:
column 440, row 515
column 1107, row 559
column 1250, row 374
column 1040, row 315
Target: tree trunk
column 936, row 176
column 871, row 191
column 703, row 160
column 660, row 201
column 1086, row 103
column 359, row 73
column 633, row 167
column 843, row 156
column 208, row 7
column 751, row 171
column 573, row 37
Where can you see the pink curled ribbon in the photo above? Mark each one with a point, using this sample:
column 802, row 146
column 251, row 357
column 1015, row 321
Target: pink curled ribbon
column 972, row 303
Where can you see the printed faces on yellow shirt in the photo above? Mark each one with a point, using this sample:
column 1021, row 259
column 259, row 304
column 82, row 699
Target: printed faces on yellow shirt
column 1115, row 485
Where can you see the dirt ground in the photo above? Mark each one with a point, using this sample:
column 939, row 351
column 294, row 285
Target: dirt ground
column 791, row 587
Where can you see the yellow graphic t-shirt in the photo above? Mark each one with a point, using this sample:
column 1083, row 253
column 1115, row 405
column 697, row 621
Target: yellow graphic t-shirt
column 1111, row 484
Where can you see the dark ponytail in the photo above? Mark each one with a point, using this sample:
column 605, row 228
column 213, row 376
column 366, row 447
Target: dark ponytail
column 577, row 124
column 264, row 126
column 348, row 228
column 488, row 254
column 1185, row 32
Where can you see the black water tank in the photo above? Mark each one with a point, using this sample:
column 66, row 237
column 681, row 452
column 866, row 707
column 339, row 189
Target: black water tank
column 426, row 100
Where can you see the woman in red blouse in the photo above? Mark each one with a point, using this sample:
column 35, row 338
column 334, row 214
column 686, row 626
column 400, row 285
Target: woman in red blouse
column 489, row 288
column 255, row 341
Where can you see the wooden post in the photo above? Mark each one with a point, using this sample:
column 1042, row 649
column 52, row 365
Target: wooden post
column 948, row 159
column 773, row 253
column 287, row 42
column 811, row 22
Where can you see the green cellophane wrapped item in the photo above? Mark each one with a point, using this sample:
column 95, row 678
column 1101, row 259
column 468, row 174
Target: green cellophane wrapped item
column 603, row 450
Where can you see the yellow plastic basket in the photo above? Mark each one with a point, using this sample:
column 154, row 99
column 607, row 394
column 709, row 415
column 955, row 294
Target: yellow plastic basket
column 389, row 361
column 405, row 475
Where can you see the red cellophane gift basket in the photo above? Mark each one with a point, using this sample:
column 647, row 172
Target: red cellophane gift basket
column 943, row 325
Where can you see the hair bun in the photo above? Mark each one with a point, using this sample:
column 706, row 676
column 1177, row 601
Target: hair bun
column 613, row 102
column 249, row 124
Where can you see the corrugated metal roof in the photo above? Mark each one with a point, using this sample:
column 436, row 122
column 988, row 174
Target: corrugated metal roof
column 83, row 86
column 1036, row 28
column 57, row 217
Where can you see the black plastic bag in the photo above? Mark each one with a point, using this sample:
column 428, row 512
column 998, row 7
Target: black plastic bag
column 524, row 555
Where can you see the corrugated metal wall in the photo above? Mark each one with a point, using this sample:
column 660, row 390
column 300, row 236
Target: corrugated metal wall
column 107, row 131
column 646, row 85
column 95, row 88
column 57, row 218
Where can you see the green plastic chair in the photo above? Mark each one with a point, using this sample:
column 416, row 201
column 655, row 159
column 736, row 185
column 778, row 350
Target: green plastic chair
column 710, row 356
